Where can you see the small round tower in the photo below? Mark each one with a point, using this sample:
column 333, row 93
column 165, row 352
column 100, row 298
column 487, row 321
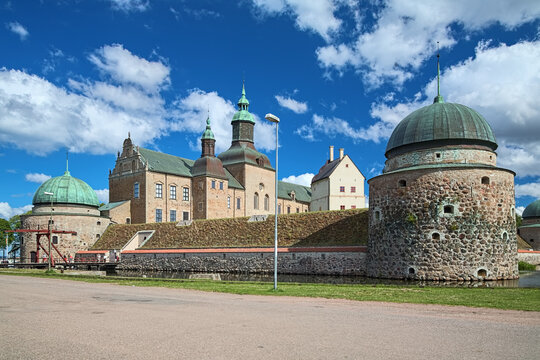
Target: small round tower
column 442, row 209
column 530, row 227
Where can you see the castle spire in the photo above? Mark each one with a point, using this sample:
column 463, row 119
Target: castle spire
column 67, row 163
column 243, row 103
column 438, row 98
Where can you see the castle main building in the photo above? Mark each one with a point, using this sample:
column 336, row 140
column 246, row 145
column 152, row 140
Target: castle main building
column 238, row 182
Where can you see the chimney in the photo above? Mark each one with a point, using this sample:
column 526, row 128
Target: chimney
column 340, row 153
column 331, row 152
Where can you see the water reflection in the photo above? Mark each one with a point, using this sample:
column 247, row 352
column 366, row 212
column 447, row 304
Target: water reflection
column 527, row 279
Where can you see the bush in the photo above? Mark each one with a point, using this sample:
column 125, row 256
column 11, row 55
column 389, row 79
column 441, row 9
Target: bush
column 525, row 266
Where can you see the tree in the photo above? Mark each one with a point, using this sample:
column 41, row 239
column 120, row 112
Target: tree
column 518, row 220
column 5, row 225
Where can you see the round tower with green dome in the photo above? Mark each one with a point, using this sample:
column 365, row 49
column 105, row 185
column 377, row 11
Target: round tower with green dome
column 530, row 226
column 73, row 206
column 442, row 209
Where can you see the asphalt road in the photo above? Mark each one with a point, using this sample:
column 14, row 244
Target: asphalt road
column 59, row 319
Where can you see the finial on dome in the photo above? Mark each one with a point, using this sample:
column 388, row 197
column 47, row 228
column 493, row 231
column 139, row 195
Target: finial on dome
column 67, row 162
column 438, row 98
column 129, row 134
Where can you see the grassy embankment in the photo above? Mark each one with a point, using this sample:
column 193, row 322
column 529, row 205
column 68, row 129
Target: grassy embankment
column 499, row 298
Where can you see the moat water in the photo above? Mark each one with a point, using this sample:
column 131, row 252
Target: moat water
column 530, row 279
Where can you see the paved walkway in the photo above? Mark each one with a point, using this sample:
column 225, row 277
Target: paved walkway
column 58, row 319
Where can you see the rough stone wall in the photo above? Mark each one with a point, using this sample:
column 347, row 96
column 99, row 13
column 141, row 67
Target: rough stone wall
column 531, row 235
column 442, row 155
column 530, row 257
column 88, row 228
column 313, row 263
column 411, row 236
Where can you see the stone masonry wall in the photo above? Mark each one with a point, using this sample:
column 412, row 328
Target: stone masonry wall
column 412, row 236
column 313, row 263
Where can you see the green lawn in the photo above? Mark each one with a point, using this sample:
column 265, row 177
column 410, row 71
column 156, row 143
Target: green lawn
column 499, row 298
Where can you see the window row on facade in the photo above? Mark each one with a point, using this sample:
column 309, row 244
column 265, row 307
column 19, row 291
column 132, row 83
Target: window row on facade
column 342, row 189
column 172, row 215
column 159, row 191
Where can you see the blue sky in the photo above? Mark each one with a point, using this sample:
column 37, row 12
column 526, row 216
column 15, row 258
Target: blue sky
column 79, row 75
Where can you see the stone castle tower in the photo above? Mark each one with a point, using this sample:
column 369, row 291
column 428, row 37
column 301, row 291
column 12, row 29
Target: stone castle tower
column 442, row 209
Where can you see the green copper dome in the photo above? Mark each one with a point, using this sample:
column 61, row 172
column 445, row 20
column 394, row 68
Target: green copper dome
column 243, row 106
column 532, row 211
column 443, row 123
column 66, row 190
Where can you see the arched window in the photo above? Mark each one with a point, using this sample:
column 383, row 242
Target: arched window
column 485, row 180
column 266, row 202
column 436, row 236
column 377, row 215
column 402, row 183
column 448, row 209
column 228, row 202
column 256, row 201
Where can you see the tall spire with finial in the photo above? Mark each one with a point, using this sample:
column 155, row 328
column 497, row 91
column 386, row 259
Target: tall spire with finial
column 67, row 162
column 438, row 98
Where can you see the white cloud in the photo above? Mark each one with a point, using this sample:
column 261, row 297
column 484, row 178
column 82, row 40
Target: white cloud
column 40, row 117
column 127, row 68
column 191, row 113
column 291, row 104
column 304, row 179
column 18, row 29
column 103, row 195
column 520, row 209
column 37, row 177
column 405, row 33
column 335, row 126
column 130, row 5
column 6, row 211
column 316, row 16
column 530, row 189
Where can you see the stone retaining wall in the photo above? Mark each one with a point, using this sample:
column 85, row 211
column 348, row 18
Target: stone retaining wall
column 532, row 257
column 326, row 261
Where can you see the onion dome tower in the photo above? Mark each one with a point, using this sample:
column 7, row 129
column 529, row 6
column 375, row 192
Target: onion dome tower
column 442, row 209
column 208, row 164
column 242, row 148
column 530, row 227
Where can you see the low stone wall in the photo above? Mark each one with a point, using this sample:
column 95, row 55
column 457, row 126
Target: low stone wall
column 312, row 261
column 532, row 257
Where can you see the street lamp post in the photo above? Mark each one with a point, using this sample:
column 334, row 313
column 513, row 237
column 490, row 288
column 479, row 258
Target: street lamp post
column 275, row 119
column 50, row 225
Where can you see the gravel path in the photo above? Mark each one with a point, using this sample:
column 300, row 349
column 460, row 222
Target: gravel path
column 59, row 319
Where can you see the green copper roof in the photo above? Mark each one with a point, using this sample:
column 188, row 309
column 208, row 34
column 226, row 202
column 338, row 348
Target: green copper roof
column 442, row 121
column 66, row 190
column 233, row 183
column 301, row 193
column 166, row 163
column 243, row 113
column 208, row 134
column 112, row 205
column 532, row 210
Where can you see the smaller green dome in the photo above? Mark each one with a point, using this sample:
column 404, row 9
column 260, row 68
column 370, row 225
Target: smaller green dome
column 532, row 210
column 66, row 190
column 243, row 113
column 208, row 134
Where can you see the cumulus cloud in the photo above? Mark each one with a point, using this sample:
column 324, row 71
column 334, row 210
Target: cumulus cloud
column 315, row 16
column 519, row 210
column 403, row 34
column 39, row 116
column 304, row 179
column 103, row 195
column 6, row 211
column 130, row 5
column 127, row 68
column 18, row 29
column 37, row 177
column 291, row 104
column 530, row 189
column 190, row 115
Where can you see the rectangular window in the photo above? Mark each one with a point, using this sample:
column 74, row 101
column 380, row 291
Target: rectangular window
column 136, row 190
column 228, row 202
column 185, row 194
column 353, row 189
column 221, row 185
column 279, row 209
column 288, row 209
column 353, row 206
column 172, row 192
column 341, row 207
column 200, row 206
column 342, row 189
column 185, row 215
column 297, row 210
column 159, row 190
column 173, row 215
column 238, row 203
column 55, row 240
column 213, row 184
column 158, row 215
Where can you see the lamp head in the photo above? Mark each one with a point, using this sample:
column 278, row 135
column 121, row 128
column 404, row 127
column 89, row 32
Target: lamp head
column 272, row 118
